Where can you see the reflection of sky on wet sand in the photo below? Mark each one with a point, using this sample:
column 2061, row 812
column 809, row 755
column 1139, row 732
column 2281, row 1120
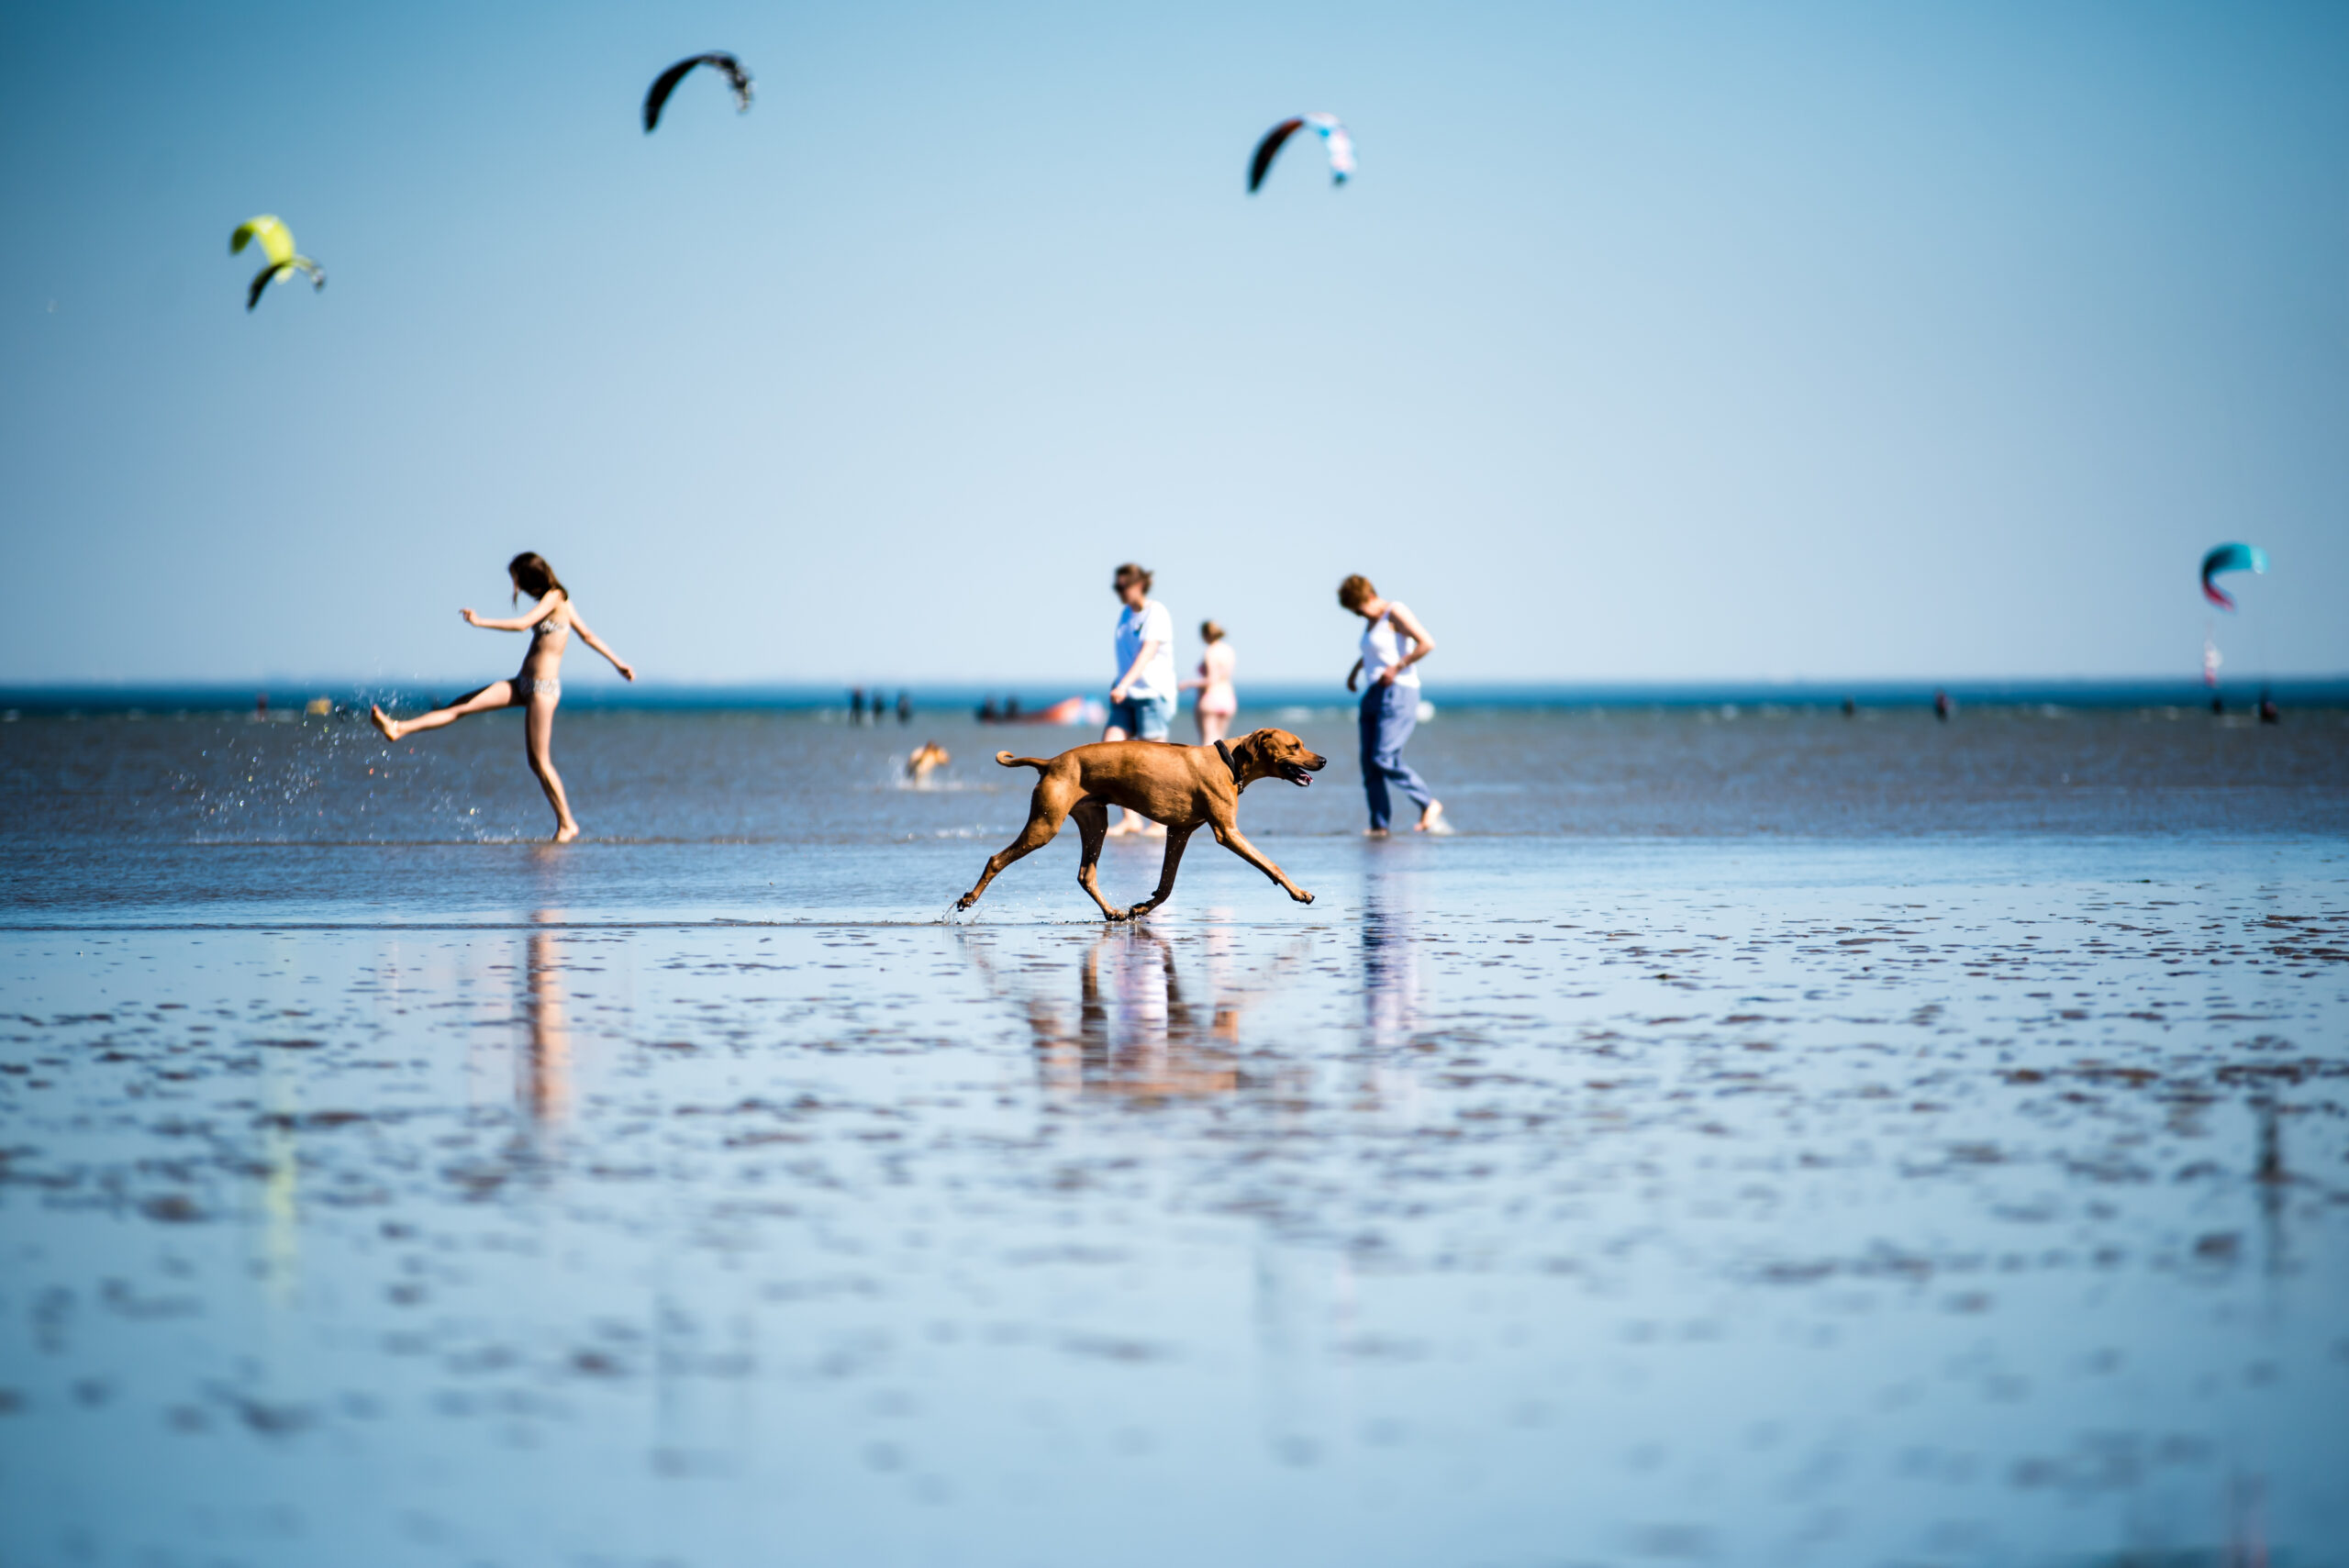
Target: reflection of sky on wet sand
column 1746, row 1204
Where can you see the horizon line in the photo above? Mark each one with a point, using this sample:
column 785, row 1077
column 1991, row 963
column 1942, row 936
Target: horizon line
column 2094, row 690
column 843, row 684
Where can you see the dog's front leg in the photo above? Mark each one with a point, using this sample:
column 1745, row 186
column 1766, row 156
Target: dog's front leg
column 1229, row 834
column 1175, row 838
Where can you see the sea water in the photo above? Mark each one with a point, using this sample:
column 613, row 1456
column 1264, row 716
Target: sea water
column 1757, row 1136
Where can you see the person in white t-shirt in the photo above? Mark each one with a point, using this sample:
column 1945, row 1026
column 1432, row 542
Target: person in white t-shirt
column 1142, row 702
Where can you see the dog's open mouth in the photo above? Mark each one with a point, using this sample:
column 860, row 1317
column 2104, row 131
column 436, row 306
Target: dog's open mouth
column 1294, row 774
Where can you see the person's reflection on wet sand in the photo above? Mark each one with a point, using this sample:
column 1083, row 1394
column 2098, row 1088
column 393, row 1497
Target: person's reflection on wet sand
column 543, row 1079
column 1390, row 959
column 1394, row 998
column 280, row 1190
column 2272, row 1178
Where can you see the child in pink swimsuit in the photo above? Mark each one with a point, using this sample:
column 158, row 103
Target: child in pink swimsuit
column 1217, row 701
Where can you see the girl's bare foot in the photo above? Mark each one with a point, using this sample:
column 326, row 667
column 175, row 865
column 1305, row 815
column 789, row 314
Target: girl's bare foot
column 383, row 721
column 1432, row 819
column 568, row 831
column 1374, row 832
column 1154, row 830
column 1126, row 825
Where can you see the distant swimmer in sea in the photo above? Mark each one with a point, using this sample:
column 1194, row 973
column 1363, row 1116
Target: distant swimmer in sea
column 1390, row 703
column 927, row 759
column 537, row 689
column 1942, row 706
column 1217, row 701
column 1142, row 702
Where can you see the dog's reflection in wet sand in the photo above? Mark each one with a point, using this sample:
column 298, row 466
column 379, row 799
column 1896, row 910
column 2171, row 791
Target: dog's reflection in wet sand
column 1136, row 1027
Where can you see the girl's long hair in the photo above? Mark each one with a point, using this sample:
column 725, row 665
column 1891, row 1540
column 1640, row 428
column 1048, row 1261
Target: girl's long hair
column 533, row 576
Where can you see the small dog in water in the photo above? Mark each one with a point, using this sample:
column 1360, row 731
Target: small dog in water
column 927, row 759
column 1185, row 787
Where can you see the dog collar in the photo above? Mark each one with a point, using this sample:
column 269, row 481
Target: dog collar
column 1225, row 753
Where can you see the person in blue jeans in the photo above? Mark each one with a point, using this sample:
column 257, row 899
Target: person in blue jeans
column 1142, row 703
column 1390, row 703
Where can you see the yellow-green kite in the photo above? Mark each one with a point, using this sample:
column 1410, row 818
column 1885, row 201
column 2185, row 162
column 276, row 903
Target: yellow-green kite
column 277, row 244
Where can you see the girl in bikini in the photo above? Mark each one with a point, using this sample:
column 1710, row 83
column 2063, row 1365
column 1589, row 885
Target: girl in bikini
column 537, row 689
column 1217, row 701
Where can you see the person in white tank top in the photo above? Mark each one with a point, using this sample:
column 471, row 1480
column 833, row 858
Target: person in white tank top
column 1392, row 642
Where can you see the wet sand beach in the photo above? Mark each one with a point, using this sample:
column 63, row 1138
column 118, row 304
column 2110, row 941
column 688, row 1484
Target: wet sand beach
column 1755, row 1138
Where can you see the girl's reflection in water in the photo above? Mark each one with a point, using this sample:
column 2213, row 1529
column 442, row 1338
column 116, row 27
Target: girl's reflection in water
column 542, row 1076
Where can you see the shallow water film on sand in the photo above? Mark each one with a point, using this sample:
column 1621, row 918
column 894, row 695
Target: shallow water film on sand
column 1815, row 1185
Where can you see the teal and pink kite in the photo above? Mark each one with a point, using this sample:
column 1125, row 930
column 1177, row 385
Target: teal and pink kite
column 2229, row 558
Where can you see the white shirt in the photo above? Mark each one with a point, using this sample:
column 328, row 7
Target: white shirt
column 1381, row 649
column 1148, row 624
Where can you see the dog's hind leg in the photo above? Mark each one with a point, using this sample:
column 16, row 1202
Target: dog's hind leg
column 1175, row 838
column 1092, row 819
column 1046, row 807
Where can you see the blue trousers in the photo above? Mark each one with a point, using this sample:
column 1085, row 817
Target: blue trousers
column 1389, row 713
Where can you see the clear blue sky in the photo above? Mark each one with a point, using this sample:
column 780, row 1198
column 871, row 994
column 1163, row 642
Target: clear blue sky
column 1654, row 342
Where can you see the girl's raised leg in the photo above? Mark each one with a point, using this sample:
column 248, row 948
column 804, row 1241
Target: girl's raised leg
column 537, row 728
column 496, row 695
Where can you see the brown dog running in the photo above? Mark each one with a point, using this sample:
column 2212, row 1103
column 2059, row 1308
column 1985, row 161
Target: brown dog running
column 1185, row 787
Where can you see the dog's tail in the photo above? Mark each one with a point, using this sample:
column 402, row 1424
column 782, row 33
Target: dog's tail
column 1006, row 760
